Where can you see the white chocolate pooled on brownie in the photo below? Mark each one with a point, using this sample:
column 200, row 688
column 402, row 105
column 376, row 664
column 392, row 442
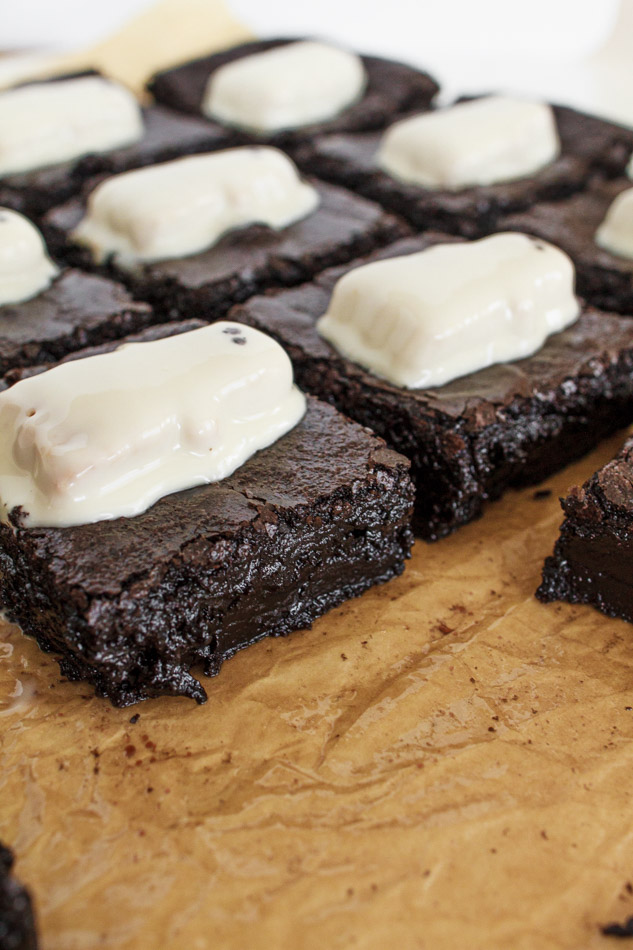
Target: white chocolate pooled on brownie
column 482, row 142
column 107, row 436
column 615, row 234
column 285, row 87
column 452, row 309
column 25, row 267
column 50, row 122
column 183, row 207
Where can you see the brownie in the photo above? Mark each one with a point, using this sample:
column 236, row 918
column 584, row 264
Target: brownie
column 131, row 604
column 604, row 279
column 506, row 426
column 593, row 557
column 17, row 920
column 350, row 160
column 392, row 90
column 76, row 311
column 245, row 261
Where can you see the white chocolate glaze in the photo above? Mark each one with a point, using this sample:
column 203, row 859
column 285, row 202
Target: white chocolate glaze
column 25, row 267
column 285, row 88
column 482, row 142
column 452, row 309
column 183, row 207
column 107, row 436
column 615, row 234
column 50, row 122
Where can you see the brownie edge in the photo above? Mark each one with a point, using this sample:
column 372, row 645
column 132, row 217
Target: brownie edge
column 17, row 920
column 592, row 561
column 132, row 604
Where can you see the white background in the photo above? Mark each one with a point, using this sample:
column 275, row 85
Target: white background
column 579, row 51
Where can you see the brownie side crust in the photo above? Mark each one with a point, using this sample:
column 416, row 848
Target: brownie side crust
column 602, row 278
column 349, row 160
column 17, row 920
column 392, row 90
column 131, row 604
column 243, row 262
column 592, row 561
column 468, row 441
column 76, row 311
column 167, row 135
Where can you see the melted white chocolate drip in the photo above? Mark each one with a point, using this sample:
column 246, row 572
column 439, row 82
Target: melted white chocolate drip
column 452, row 309
column 25, row 267
column 50, row 122
column 183, row 207
column 107, row 436
column 615, row 234
column 483, row 142
column 285, row 88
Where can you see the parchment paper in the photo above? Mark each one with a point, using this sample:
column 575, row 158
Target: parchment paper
column 441, row 763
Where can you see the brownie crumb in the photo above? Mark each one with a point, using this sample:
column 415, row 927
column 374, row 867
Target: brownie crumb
column 443, row 628
column 619, row 930
column 541, row 493
column 135, row 718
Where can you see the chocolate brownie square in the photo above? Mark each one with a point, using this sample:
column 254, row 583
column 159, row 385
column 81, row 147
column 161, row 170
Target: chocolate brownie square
column 393, row 89
column 76, row 311
column 602, row 278
column 167, row 135
column 350, row 160
column 243, row 262
column 132, row 604
column 17, row 920
column 593, row 557
column 468, row 441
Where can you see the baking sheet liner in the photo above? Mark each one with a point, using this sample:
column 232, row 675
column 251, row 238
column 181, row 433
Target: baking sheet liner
column 441, row 763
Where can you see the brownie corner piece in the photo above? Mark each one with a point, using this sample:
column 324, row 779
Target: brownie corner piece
column 17, row 919
column 132, row 604
column 592, row 562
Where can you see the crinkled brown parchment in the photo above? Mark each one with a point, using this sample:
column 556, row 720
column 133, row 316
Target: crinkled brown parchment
column 444, row 763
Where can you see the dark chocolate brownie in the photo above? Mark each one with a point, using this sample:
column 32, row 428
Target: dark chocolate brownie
column 506, row 426
column 243, row 262
column 392, row 90
column 77, row 310
column 131, row 604
column 17, row 920
column 593, row 557
column 350, row 160
column 168, row 135
column 602, row 278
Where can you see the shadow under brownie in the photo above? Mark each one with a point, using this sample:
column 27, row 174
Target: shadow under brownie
column 393, row 89
column 593, row 557
column 349, row 160
column 509, row 425
column 243, row 262
column 132, row 604
column 17, row 921
column 602, row 278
